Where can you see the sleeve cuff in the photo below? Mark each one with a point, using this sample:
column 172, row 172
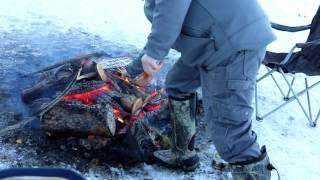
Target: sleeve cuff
column 155, row 51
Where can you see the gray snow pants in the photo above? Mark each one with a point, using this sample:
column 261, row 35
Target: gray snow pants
column 228, row 89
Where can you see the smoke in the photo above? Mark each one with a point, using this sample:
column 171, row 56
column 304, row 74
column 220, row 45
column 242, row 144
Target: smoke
column 38, row 45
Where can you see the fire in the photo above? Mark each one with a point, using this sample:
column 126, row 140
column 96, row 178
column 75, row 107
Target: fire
column 154, row 94
column 120, row 120
column 87, row 97
column 152, row 107
column 140, row 115
column 147, row 108
column 118, row 114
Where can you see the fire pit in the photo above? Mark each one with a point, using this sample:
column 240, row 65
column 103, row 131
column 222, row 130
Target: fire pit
column 90, row 98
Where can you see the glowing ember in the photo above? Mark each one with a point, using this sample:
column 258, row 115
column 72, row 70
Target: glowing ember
column 152, row 107
column 154, row 94
column 87, row 97
column 118, row 114
column 137, row 117
column 120, row 120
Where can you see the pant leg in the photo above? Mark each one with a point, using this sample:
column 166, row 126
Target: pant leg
column 182, row 80
column 228, row 90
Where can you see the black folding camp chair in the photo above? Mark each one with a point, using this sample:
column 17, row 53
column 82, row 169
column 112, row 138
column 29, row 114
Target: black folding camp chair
column 306, row 61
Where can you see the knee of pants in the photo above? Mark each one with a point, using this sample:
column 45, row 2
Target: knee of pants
column 180, row 89
column 182, row 80
column 173, row 89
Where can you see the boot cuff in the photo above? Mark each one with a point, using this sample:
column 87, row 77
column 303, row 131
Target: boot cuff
column 184, row 98
column 255, row 160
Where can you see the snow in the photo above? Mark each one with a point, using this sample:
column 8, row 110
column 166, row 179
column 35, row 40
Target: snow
column 121, row 20
column 293, row 146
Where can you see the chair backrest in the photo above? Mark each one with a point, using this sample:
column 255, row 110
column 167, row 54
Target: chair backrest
column 307, row 60
column 315, row 27
column 312, row 53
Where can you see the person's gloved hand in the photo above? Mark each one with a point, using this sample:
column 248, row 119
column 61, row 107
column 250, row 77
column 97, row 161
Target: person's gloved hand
column 150, row 65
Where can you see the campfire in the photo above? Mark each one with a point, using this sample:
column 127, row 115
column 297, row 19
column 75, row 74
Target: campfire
column 91, row 98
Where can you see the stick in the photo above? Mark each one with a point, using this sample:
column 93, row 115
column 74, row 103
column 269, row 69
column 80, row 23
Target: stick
column 50, row 67
column 97, row 54
column 58, row 98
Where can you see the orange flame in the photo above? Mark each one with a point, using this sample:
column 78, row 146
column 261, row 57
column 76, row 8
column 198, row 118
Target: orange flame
column 152, row 107
column 87, row 97
column 118, row 115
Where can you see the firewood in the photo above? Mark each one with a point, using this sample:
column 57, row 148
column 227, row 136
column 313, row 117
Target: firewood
column 127, row 102
column 70, row 61
column 102, row 73
column 72, row 120
column 137, row 105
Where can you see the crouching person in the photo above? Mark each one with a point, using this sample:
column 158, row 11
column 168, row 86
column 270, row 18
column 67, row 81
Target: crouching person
column 222, row 45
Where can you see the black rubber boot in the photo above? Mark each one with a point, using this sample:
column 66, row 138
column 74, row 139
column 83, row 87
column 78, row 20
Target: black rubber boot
column 182, row 154
column 257, row 169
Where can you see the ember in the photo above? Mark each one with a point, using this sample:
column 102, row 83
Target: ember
column 154, row 94
column 118, row 115
column 140, row 115
column 87, row 97
column 152, row 107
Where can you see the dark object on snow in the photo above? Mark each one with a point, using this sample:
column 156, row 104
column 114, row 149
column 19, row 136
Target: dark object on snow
column 39, row 173
column 307, row 60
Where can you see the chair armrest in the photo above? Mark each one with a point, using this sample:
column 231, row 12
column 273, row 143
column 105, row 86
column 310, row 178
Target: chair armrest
column 290, row 28
column 308, row 44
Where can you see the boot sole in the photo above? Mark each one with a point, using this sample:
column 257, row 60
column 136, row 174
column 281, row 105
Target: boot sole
column 184, row 168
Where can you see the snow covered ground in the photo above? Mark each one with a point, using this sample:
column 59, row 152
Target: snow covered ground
column 293, row 146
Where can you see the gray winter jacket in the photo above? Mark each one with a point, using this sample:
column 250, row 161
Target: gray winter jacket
column 231, row 25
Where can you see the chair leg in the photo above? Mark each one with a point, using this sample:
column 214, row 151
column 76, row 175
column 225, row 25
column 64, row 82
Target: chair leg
column 289, row 91
column 296, row 97
column 277, row 84
column 291, row 99
column 317, row 118
column 287, row 97
column 266, row 75
column 256, row 101
column 308, row 99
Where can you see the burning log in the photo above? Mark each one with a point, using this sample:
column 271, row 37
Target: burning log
column 79, row 120
column 94, row 102
column 102, row 103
